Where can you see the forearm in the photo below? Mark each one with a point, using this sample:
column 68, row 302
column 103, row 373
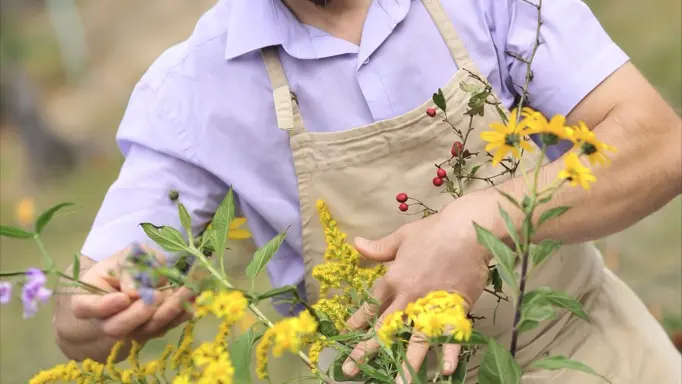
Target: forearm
column 644, row 176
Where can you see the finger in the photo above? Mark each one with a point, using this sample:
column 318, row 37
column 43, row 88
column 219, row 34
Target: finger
column 182, row 318
column 417, row 349
column 450, row 358
column 88, row 306
column 170, row 309
column 124, row 323
column 363, row 351
column 385, row 249
column 131, row 278
column 367, row 311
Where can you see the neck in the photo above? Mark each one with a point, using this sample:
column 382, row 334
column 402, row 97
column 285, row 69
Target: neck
column 340, row 18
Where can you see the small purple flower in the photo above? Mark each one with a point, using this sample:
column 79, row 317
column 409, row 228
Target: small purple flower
column 136, row 253
column 35, row 275
column 34, row 291
column 5, row 292
column 147, row 295
column 143, row 279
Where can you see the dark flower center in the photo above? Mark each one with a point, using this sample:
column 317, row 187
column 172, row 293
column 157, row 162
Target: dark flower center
column 588, row 148
column 512, row 139
column 549, row 139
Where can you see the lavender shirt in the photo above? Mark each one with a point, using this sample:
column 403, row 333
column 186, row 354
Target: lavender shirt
column 202, row 116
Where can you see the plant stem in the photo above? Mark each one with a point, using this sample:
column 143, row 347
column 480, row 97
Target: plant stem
column 48, row 260
column 525, row 252
column 84, row 285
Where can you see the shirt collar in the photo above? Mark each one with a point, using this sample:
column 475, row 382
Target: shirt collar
column 256, row 24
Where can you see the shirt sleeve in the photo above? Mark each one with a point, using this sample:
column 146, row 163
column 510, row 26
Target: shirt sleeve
column 159, row 158
column 574, row 57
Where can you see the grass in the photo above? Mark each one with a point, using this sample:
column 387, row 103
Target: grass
column 647, row 255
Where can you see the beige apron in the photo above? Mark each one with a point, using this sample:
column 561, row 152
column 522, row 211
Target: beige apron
column 358, row 173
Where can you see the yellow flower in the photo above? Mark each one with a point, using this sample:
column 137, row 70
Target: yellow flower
column 25, row 211
column 182, row 354
column 440, row 313
column 391, row 325
column 286, row 335
column 229, row 306
column 587, row 144
column 111, row 359
column 537, row 123
column 219, row 371
column 506, row 138
column 315, row 350
column 335, row 308
column 576, row 173
column 182, row 379
column 63, row 372
column 202, row 304
column 206, row 353
column 236, row 232
column 134, row 355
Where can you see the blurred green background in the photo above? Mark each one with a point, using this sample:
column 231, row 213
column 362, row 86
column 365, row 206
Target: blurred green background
column 81, row 98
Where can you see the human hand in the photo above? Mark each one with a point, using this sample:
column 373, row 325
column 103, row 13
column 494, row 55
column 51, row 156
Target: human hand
column 87, row 325
column 439, row 252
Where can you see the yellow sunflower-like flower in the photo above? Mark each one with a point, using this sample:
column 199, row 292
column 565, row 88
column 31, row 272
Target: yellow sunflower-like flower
column 576, row 173
column 551, row 130
column 506, row 138
column 235, row 230
column 587, row 144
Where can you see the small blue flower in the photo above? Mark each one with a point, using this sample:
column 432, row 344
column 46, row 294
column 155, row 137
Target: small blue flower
column 5, row 292
column 147, row 295
column 143, row 279
column 34, row 290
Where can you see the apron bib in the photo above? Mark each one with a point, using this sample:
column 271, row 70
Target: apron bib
column 358, row 172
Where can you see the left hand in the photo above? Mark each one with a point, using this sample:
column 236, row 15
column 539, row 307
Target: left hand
column 439, row 252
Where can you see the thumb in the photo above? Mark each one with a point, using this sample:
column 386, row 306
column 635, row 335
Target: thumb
column 381, row 250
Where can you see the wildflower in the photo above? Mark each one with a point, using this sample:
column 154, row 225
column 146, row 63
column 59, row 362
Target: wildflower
column 134, row 355
column 202, row 304
column 335, row 308
column 182, row 354
column 229, row 306
column 286, row 335
column 182, row 379
column 391, row 325
column 438, row 313
column 34, row 290
column 576, row 173
column 219, row 371
column 111, row 359
column 550, row 131
column 235, row 231
column 25, row 211
column 506, row 138
column 587, row 144
column 5, row 292
column 64, row 372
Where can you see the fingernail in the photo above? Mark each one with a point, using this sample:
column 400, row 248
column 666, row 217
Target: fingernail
column 447, row 367
column 349, row 368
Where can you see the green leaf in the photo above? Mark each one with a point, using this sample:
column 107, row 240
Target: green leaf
column 240, row 353
column 46, row 216
column 470, row 88
column 263, row 255
column 13, row 232
column 560, row 362
column 501, row 113
column 510, row 226
column 475, row 169
column 510, row 199
column 496, row 279
column 504, row 256
column 185, row 218
column 76, row 266
column 439, row 100
column 543, row 250
column 220, row 225
column 558, row 299
column 460, row 373
column 552, row 213
column 534, row 313
column 367, row 372
column 168, row 238
column 277, row 292
column 498, row 366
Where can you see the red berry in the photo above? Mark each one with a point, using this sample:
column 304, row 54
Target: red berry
column 441, row 173
column 431, row 112
column 403, row 207
column 401, row 197
column 437, row 181
column 456, row 148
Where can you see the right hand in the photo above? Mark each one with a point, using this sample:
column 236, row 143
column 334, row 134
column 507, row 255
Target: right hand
column 87, row 325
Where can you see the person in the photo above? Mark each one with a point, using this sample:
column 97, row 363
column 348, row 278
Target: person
column 290, row 101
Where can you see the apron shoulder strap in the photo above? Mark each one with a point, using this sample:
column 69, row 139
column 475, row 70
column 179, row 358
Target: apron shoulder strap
column 288, row 116
column 447, row 30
